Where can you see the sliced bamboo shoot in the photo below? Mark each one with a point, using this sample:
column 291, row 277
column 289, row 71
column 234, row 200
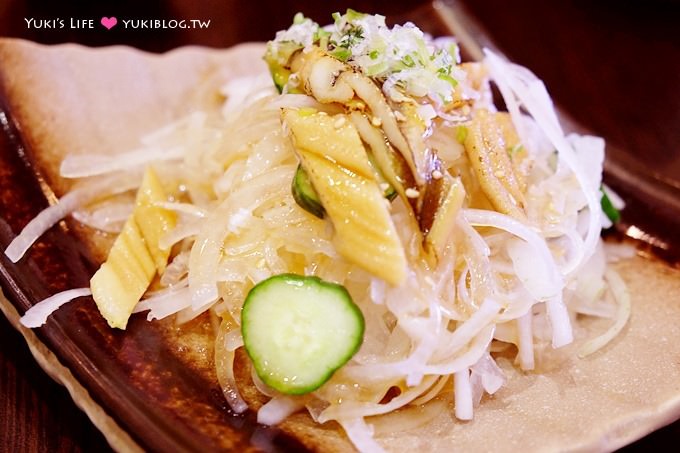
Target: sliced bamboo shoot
column 486, row 148
column 439, row 234
column 122, row 280
column 153, row 220
column 135, row 256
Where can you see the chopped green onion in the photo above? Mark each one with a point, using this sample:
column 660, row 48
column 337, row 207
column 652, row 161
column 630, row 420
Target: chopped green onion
column 408, row 61
column 449, row 79
column 342, row 53
column 608, row 208
column 389, row 52
column 298, row 18
column 351, row 15
column 377, row 69
column 453, row 51
column 321, row 34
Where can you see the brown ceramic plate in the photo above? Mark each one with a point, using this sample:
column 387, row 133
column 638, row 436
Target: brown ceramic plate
column 153, row 386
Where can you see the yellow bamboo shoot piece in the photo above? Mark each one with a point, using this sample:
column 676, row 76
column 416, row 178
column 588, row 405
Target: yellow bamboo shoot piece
column 135, row 256
column 486, row 148
column 153, row 220
column 439, row 234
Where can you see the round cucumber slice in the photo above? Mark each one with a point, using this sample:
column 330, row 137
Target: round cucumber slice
column 299, row 330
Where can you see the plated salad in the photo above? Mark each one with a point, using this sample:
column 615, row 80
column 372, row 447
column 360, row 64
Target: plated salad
column 365, row 221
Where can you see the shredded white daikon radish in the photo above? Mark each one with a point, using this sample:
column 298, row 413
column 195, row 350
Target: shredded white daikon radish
column 491, row 375
column 164, row 304
column 432, row 393
column 361, row 435
column 622, row 297
column 67, row 204
column 84, row 165
column 109, row 218
column 525, row 343
column 184, row 208
column 278, row 409
column 466, row 330
column 463, row 394
column 224, row 362
column 352, row 409
column 37, row 315
column 519, row 83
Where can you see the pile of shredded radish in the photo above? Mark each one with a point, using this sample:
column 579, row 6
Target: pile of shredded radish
column 500, row 282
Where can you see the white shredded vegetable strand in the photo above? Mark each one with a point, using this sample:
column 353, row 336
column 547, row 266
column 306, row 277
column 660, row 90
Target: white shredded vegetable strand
column 532, row 94
column 525, row 343
column 278, row 409
column 562, row 333
column 472, row 326
column 85, row 165
column 622, row 297
column 37, row 315
column 492, row 376
column 352, row 409
column 109, row 218
column 432, row 393
column 478, row 217
column 164, row 304
column 477, row 347
column 67, row 204
column 463, row 394
column 224, row 364
column 361, row 435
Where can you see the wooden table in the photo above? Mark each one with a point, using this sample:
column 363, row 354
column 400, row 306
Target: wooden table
column 612, row 65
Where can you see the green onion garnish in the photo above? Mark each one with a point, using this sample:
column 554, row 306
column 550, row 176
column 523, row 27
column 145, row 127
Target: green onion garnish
column 608, row 208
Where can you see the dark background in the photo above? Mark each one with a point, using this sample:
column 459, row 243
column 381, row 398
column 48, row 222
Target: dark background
column 612, row 65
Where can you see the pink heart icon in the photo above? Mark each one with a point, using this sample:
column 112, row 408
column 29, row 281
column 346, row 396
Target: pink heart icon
column 109, row 22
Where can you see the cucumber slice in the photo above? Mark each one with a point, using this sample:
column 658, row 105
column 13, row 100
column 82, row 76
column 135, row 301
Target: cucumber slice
column 305, row 195
column 299, row 330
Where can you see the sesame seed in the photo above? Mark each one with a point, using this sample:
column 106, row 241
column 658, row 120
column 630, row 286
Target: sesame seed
column 437, row 174
column 384, row 186
column 339, row 122
column 412, row 193
column 294, row 80
column 377, row 122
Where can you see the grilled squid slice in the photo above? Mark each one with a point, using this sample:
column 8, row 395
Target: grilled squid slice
column 489, row 146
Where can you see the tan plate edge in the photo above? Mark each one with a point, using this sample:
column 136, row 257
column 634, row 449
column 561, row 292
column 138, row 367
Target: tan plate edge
column 117, row 438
